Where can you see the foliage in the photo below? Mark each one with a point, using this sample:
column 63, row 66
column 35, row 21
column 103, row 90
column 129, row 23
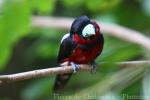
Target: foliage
column 15, row 22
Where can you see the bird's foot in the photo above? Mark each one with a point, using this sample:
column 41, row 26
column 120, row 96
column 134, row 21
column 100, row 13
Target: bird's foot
column 94, row 66
column 74, row 67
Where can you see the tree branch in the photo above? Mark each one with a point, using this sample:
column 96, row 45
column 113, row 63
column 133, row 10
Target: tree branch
column 57, row 70
column 39, row 73
column 110, row 29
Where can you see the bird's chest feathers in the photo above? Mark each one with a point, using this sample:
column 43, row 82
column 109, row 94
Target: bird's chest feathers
column 80, row 55
column 85, row 56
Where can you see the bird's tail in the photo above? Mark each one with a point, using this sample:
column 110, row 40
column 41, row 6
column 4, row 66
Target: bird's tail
column 61, row 81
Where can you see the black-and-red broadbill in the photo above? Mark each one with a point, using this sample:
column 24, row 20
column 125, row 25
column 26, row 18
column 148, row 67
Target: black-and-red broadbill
column 81, row 46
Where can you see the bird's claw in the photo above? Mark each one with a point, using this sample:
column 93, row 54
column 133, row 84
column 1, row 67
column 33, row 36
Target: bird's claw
column 74, row 67
column 93, row 70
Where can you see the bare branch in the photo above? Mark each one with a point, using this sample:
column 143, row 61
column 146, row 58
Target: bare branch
column 40, row 73
column 110, row 29
column 57, row 70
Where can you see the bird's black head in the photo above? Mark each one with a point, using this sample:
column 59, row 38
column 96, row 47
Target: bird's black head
column 78, row 25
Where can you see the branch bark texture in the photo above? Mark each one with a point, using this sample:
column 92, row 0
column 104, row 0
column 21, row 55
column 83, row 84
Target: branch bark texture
column 40, row 73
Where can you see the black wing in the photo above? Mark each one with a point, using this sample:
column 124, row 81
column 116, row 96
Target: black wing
column 66, row 48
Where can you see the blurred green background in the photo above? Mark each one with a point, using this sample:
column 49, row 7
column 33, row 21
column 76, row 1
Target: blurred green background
column 24, row 48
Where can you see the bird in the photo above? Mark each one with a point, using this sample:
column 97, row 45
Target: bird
column 82, row 45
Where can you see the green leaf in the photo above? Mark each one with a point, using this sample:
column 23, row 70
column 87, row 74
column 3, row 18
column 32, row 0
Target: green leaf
column 43, row 6
column 14, row 23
